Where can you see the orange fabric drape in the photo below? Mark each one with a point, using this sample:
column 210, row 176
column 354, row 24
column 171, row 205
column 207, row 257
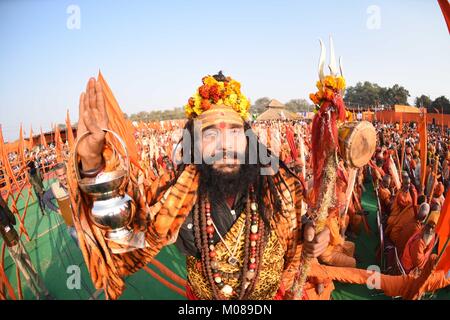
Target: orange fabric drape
column 69, row 132
column 445, row 7
column 423, row 148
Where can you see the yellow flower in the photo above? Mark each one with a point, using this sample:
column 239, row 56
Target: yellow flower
column 219, row 102
column 233, row 98
column 244, row 104
column 330, row 82
column 210, row 81
column 188, row 110
column 340, row 83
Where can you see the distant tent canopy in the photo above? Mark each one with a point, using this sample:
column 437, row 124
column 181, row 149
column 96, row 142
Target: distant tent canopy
column 277, row 111
column 407, row 109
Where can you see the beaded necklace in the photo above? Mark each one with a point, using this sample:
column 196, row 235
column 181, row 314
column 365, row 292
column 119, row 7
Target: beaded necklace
column 253, row 249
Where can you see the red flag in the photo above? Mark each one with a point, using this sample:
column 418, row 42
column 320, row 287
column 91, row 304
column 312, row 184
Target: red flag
column 291, row 142
column 69, row 132
column 445, row 7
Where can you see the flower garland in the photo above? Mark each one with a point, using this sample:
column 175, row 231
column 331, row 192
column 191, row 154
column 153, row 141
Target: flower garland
column 214, row 92
column 329, row 88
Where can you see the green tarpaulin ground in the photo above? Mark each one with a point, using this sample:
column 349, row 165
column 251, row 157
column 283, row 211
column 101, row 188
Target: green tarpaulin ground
column 52, row 252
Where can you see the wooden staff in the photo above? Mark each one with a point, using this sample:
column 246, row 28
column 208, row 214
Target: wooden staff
column 349, row 194
column 325, row 201
column 403, row 155
column 434, row 173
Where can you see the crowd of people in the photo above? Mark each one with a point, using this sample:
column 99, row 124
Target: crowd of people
column 204, row 209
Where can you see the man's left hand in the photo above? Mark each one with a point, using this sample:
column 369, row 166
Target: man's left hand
column 315, row 244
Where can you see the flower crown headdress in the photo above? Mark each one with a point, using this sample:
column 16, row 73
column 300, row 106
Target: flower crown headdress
column 217, row 90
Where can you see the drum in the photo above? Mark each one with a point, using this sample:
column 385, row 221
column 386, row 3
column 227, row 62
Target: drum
column 357, row 142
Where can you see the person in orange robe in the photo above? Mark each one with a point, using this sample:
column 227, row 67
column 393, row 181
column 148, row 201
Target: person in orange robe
column 419, row 247
column 403, row 199
column 407, row 216
column 401, row 235
column 385, row 196
column 339, row 252
column 438, row 195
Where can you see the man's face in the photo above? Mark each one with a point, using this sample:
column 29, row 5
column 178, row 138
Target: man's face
column 62, row 176
column 223, row 147
column 405, row 184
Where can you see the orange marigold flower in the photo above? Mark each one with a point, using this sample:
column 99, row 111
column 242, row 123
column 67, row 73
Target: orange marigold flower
column 328, row 94
column 214, row 93
column 191, row 101
column 206, row 105
column 204, row 91
column 314, row 98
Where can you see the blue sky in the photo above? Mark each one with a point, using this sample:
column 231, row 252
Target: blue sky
column 154, row 53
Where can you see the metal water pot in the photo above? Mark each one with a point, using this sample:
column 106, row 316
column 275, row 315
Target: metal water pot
column 113, row 209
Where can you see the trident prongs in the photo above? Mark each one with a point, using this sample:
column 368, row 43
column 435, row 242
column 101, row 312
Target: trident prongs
column 332, row 66
column 341, row 66
column 323, row 55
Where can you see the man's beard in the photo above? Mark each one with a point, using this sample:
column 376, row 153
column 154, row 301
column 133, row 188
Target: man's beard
column 428, row 236
column 220, row 185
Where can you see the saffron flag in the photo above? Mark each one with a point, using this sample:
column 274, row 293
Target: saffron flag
column 445, row 7
column 117, row 123
column 69, row 132
column 58, row 144
column 30, row 142
column 423, row 147
column 443, row 231
column 21, row 146
column 43, row 141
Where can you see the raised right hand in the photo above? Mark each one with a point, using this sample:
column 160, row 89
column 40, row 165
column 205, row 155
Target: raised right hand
column 92, row 118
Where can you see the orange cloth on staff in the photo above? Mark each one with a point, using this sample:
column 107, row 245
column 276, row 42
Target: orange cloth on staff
column 416, row 252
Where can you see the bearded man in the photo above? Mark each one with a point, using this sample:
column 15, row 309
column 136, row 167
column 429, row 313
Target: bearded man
column 420, row 246
column 237, row 220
